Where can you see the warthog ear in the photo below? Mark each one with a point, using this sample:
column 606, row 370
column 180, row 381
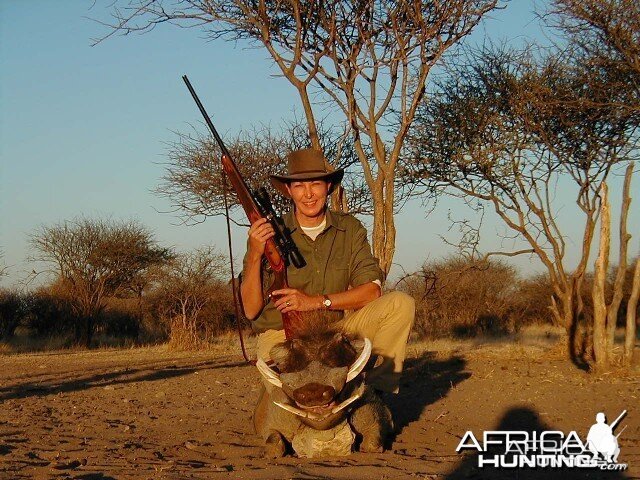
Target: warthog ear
column 279, row 353
column 361, row 361
column 341, row 337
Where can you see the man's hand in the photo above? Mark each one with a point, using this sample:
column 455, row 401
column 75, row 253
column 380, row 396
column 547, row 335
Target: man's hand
column 290, row 299
column 260, row 231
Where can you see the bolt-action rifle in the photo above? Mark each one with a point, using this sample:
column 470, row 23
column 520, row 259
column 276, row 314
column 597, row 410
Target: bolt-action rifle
column 280, row 249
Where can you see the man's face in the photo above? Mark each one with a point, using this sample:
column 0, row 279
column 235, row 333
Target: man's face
column 310, row 197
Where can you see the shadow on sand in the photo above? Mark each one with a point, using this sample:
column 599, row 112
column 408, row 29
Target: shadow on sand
column 101, row 380
column 424, row 381
column 525, row 419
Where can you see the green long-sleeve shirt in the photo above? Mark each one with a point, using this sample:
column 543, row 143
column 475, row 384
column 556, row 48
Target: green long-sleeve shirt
column 339, row 258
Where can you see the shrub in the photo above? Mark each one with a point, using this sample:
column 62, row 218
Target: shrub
column 455, row 297
column 48, row 313
column 12, row 310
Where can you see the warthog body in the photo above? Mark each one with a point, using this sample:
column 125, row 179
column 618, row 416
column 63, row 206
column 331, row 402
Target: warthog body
column 316, row 399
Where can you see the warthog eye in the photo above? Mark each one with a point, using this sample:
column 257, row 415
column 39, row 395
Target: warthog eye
column 338, row 353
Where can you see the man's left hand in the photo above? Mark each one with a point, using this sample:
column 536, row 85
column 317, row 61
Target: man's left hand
column 290, row 299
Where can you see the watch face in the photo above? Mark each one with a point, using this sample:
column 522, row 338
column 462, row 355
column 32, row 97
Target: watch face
column 327, row 302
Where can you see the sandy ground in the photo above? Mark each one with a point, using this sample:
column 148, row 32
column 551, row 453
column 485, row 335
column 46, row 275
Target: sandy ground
column 151, row 413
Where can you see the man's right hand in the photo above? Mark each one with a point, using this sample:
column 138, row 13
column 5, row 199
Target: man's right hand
column 260, row 231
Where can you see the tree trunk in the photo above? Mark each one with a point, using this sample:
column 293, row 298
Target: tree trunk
column 618, row 286
column 598, row 293
column 632, row 306
column 140, row 321
column 383, row 235
column 90, row 330
column 389, row 226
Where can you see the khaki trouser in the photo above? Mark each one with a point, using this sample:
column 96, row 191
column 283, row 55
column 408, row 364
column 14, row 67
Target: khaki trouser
column 385, row 321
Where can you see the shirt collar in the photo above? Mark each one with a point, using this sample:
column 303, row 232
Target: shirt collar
column 333, row 220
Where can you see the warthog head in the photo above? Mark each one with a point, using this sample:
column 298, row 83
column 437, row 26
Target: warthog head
column 317, row 373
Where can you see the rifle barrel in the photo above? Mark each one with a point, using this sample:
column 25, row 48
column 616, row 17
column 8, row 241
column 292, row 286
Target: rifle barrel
column 206, row 117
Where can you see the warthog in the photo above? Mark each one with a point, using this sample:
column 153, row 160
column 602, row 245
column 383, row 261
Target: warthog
column 316, row 399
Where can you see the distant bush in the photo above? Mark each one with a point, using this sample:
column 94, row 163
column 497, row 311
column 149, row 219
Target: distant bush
column 49, row 312
column 120, row 318
column 195, row 321
column 12, row 311
column 191, row 298
column 455, row 297
column 531, row 300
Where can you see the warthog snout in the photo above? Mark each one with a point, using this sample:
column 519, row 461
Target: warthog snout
column 314, row 395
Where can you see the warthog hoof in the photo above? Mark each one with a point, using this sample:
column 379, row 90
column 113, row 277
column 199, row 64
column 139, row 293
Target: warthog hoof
column 372, row 446
column 275, row 446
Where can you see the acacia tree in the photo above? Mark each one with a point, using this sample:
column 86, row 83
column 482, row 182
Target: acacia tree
column 94, row 259
column 507, row 130
column 369, row 59
column 605, row 35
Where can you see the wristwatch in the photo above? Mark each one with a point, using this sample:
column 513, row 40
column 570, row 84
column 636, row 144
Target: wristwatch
column 326, row 302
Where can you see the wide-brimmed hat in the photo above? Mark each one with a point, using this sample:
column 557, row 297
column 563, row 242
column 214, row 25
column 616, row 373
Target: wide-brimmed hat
column 307, row 164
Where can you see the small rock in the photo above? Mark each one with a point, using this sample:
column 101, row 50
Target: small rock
column 50, row 455
column 224, row 468
column 191, row 445
column 66, row 465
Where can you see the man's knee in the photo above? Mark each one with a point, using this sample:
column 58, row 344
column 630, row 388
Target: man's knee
column 403, row 304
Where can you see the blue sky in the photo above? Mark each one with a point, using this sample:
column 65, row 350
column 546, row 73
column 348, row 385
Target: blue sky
column 83, row 129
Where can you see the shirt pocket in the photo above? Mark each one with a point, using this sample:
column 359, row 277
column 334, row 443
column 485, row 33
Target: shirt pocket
column 337, row 275
column 298, row 278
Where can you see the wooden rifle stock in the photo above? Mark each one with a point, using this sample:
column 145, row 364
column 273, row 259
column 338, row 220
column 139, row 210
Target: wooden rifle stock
column 276, row 261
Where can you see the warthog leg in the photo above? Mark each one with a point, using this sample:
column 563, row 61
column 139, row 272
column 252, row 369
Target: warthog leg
column 372, row 422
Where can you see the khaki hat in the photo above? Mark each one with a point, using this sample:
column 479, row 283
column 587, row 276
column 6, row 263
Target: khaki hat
column 307, row 164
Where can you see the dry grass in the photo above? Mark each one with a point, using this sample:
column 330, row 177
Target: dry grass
column 531, row 342
column 22, row 342
column 228, row 343
column 25, row 344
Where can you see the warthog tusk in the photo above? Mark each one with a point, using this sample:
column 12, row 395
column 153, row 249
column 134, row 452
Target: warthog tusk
column 292, row 409
column 272, row 377
column 346, row 403
column 360, row 362
column 316, row 416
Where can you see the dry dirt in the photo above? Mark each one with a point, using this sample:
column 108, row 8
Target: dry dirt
column 152, row 413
